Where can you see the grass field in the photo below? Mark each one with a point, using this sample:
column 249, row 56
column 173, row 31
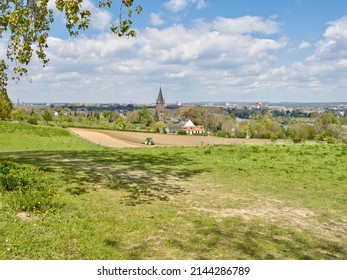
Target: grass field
column 213, row 202
column 22, row 137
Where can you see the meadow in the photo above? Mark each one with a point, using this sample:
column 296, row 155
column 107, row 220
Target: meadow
column 211, row 202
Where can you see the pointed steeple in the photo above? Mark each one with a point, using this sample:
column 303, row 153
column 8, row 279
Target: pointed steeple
column 160, row 107
column 160, row 98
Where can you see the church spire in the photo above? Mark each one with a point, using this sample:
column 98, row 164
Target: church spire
column 160, row 107
column 160, row 98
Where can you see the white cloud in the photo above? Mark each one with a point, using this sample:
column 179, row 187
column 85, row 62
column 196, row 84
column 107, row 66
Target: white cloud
column 179, row 5
column 322, row 73
column 304, row 45
column 129, row 66
column 210, row 44
column 156, row 20
column 3, row 46
column 200, row 4
column 176, row 5
column 51, row 4
column 212, row 60
column 101, row 19
column 334, row 43
column 201, row 56
column 102, row 46
column 246, row 24
column 180, row 74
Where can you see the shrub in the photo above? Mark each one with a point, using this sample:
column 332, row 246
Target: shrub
column 47, row 116
column 18, row 115
column 181, row 132
column 33, row 119
column 331, row 140
column 273, row 137
column 222, row 134
column 25, row 189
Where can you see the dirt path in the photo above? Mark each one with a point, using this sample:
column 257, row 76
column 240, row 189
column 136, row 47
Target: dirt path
column 123, row 139
column 101, row 138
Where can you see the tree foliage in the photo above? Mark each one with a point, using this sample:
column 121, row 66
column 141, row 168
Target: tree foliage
column 328, row 127
column 145, row 116
column 5, row 103
column 211, row 118
column 47, row 115
column 5, row 106
column 300, row 132
column 28, row 22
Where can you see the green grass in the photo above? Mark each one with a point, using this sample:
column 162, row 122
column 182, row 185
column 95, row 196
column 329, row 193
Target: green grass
column 221, row 202
column 23, row 136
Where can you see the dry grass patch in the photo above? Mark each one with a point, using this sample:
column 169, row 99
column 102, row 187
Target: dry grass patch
column 24, row 216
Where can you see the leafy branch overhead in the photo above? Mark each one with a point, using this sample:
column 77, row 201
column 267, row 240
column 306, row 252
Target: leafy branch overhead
column 27, row 23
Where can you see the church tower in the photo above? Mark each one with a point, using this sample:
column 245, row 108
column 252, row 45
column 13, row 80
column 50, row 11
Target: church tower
column 160, row 107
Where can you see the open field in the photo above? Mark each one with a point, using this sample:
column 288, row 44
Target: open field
column 122, row 139
column 23, row 136
column 210, row 202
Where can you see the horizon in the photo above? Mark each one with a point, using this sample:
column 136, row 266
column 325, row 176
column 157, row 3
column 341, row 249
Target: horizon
column 184, row 103
column 287, row 51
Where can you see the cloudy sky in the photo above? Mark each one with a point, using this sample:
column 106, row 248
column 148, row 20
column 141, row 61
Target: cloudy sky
column 199, row 50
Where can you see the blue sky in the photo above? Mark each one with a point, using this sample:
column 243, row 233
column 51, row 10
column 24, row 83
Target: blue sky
column 199, row 50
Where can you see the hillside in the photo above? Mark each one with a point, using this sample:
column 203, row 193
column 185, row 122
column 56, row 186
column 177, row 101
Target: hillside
column 16, row 136
column 211, row 202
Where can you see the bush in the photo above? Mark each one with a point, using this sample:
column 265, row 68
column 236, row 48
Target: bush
column 222, row 134
column 33, row 119
column 25, row 189
column 273, row 137
column 331, row 140
column 327, row 138
column 181, row 132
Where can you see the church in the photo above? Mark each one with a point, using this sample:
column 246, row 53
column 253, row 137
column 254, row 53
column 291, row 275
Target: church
column 160, row 107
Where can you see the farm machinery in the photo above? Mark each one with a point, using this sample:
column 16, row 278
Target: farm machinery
column 149, row 141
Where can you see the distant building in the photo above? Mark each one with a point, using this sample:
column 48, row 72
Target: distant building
column 160, row 107
column 259, row 105
column 191, row 128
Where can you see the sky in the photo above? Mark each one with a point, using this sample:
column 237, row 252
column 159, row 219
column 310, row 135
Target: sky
column 198, row 50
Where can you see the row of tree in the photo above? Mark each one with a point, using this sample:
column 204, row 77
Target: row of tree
column 216, row 121
column 321, row 127
column 324, row 127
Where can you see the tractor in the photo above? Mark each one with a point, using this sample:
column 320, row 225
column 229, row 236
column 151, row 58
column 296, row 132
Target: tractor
column 149, row 141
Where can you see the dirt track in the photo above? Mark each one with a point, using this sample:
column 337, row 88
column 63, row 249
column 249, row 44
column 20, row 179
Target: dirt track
column 123, row 139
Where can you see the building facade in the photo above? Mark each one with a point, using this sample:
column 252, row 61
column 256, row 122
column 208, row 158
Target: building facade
column 191, row 128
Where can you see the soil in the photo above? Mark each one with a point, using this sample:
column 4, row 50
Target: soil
column 123, row 139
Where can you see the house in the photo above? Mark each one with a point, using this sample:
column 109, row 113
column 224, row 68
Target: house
column 191, row 128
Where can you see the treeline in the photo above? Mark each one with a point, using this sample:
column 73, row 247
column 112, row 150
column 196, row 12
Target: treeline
column 265, row 125
column 247, row 113
column 137, row 120
column 216, row 121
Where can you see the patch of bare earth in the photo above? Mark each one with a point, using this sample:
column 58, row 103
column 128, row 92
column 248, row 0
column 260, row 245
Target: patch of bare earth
column 24, row 216
column 274, row 211
column 123, row 139
column 270, row 212
column 99, row 137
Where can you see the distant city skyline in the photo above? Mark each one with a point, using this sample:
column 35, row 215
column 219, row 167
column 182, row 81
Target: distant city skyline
column 198, row 51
